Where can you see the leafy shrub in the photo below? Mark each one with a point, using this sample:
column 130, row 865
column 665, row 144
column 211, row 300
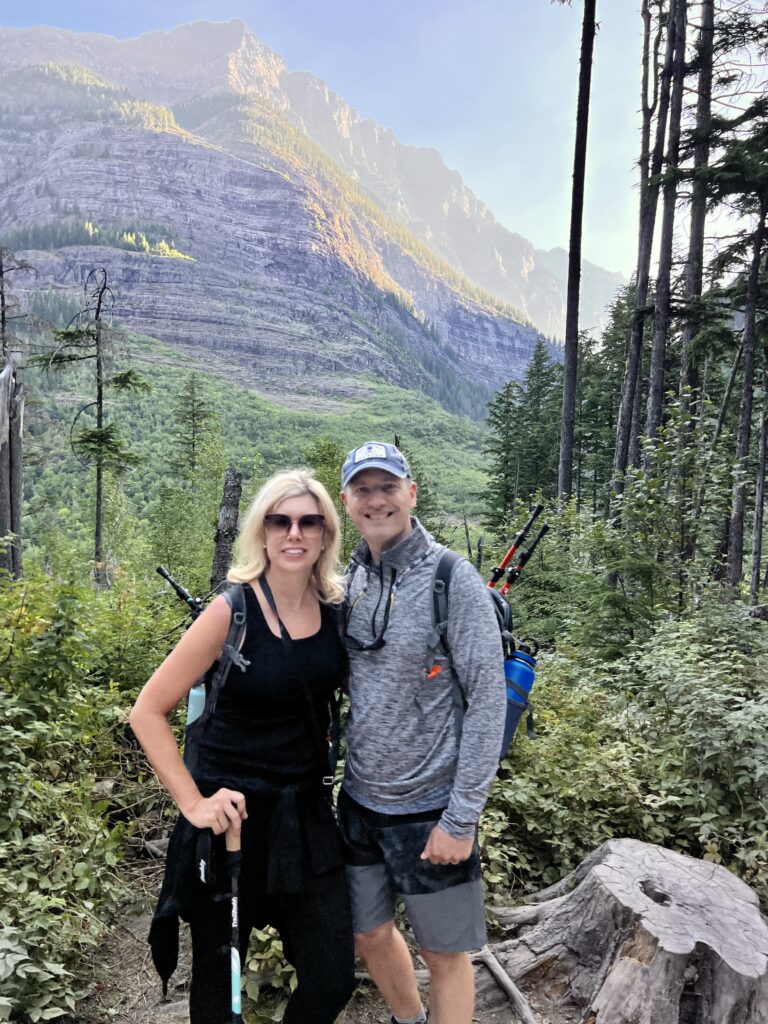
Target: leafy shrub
column 668, row 745
column 69, row 661
column 267, row 972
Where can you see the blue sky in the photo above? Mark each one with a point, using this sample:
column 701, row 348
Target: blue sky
column 491, row 84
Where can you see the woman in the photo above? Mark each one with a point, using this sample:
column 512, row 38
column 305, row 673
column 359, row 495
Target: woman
column 258, row 763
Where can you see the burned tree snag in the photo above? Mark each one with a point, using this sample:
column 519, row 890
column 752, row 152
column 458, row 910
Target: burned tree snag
column 11, row 426
column 226, row 531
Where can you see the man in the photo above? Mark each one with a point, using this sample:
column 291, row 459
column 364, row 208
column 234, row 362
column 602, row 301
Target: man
column 424, row 734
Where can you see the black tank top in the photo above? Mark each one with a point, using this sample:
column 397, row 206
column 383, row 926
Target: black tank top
column 262, row 727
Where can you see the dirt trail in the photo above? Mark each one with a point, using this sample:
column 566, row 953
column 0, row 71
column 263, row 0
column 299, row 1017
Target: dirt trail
column 127, row 990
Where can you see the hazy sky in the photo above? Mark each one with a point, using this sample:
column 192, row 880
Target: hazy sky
column 489, row 83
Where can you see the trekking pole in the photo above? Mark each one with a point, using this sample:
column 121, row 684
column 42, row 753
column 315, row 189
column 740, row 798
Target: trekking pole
column 194, row 604
column 196, row 698
column 498, row 571
column 234, row 857
column 513, row 573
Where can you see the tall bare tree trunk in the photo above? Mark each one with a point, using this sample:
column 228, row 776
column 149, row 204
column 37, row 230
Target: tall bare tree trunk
column 11, row 428
column 99, row 569
column 11, row 425
column 6, row 400
column 633, row 454
column 762, row 469
column 694, row 268
column 693, row 277
column 735, row 568
column 226, row 531
column 661, row 314
column 565, row 470
column 650, row 167
column 16, row 476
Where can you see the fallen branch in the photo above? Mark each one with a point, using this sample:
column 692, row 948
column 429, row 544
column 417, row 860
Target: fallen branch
column 522, row 1007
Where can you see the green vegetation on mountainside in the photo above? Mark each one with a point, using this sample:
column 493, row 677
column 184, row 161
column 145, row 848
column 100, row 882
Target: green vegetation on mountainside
column 254, row 432
column 74, row 230
column 46, row 95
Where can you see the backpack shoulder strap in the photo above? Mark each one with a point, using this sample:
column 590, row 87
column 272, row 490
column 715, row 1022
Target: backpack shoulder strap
column 230, row 651
column 446, row 562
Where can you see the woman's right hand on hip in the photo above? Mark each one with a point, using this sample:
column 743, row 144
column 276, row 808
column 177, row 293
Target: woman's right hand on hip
column 226, row 807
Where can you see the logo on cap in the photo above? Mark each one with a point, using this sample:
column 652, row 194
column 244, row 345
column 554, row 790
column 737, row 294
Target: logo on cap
column 372, row 450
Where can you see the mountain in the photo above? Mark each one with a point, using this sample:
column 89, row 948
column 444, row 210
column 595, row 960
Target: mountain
column 243, row 209
column 414, row 185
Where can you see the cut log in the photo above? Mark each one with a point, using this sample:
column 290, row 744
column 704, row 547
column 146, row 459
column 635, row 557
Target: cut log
column 642, row 935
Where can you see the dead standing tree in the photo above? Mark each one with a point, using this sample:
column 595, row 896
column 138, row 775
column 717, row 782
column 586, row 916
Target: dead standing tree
column 570, row 356
column 226, row 531
column 102, row 446
column 11, row 424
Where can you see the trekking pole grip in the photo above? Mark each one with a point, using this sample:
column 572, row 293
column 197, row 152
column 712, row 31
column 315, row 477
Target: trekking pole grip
column 232, row 840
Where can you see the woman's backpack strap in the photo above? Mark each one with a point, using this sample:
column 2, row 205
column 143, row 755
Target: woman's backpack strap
column 230, row 652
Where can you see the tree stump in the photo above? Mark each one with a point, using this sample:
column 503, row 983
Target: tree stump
column 642, row 935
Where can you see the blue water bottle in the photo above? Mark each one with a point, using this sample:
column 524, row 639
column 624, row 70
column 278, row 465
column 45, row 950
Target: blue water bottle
column 520, row 672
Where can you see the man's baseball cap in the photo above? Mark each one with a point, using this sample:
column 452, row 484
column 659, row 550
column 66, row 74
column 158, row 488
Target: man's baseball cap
column 374, row 455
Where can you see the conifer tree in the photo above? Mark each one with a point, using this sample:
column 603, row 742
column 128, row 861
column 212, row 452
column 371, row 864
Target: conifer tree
column 103, row 447
column 190, row 417
column 184, row 518
column 601, row 371
column 503, row 463
column 325, row 456
column 522, row 442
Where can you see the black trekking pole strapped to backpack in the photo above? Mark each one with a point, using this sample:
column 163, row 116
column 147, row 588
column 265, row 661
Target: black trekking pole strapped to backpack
column 520, row 658
column 195, row 604
column 498, row 570
column 202, row 699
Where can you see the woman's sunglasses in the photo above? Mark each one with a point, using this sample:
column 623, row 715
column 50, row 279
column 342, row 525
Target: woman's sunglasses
column 310, row 525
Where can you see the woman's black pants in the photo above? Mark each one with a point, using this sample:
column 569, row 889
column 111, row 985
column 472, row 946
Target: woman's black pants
column 316, row 930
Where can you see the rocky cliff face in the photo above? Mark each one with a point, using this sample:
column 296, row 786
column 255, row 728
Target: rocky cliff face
column 413, row 184
column 292, row 269
column 281, row 277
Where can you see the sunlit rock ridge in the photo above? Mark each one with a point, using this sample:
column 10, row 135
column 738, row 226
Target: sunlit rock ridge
column 318, row 248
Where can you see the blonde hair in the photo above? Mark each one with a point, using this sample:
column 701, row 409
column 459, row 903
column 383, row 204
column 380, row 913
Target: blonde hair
column 252, row 558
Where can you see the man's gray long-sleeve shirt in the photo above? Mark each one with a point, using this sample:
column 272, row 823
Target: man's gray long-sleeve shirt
column 405, row 751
